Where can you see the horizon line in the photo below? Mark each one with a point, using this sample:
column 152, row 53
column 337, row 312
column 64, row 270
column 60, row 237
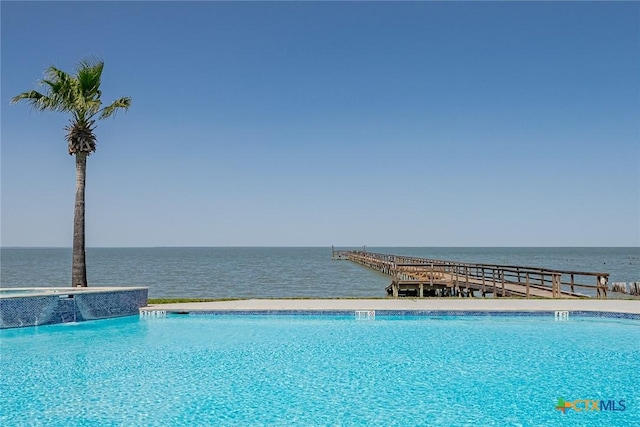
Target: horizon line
column 342, row 247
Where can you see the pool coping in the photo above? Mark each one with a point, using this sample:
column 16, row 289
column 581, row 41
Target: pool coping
column 48, row 291
column 409, row 306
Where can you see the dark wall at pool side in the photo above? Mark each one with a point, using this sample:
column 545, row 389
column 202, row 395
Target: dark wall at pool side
column 65, row 308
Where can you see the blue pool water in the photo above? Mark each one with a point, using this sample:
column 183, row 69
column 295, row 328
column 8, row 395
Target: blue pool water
column 319, row 370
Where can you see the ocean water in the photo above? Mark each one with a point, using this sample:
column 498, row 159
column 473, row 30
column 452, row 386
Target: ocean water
column 234, row 370
column 276, row 272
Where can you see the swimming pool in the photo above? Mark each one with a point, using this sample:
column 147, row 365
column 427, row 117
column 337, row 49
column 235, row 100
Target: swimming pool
column 320, row 370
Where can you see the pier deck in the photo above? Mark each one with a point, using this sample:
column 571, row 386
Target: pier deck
column 423, row 277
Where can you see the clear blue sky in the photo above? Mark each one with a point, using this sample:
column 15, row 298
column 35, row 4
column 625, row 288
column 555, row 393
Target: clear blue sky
column 310, row 124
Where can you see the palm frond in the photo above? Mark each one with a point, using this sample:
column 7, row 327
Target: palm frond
column 88, row 76
column 78, row 94
column 37, row 100
column 57, row 79
column 120, row 104
column 92, row 62
column 62, row 89
column 53, row 85
column 31, row 95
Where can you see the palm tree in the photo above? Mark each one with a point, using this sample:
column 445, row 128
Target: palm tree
column 78, row 94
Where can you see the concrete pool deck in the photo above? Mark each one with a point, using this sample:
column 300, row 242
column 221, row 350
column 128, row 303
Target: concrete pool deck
column 406, row 304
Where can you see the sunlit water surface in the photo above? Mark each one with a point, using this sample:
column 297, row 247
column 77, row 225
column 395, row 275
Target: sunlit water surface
column 319, row 370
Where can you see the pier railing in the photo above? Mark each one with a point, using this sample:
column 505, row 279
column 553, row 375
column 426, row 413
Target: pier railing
column 423, row 276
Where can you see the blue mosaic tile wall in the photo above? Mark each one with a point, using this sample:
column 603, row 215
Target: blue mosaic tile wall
column 50, row 309
column 17, row 312
column 112, row 304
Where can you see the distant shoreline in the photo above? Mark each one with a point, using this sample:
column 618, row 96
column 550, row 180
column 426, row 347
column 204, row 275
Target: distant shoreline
column 322, row 247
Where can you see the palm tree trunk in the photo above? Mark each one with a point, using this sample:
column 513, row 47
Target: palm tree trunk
column 79, row 264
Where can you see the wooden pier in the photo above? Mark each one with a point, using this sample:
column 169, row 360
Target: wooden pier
column 423, row 277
